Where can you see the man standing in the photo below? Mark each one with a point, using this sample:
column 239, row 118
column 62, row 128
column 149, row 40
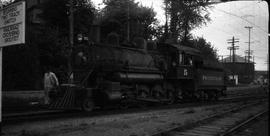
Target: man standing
column 50, row 84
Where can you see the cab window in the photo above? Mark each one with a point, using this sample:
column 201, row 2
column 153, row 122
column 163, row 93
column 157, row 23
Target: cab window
column 189, row 60
column 185, row 59
column 181, row 59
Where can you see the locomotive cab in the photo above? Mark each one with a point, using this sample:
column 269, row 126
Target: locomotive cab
column 183, row 60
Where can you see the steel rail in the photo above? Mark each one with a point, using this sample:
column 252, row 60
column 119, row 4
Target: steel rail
column 237, row 127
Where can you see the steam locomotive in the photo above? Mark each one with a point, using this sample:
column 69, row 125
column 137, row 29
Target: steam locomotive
column 113, row 73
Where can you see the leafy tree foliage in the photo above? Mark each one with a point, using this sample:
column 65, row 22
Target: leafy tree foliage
column 117, row 14
column 56, row 13
column 185, row 15
column 207, row 49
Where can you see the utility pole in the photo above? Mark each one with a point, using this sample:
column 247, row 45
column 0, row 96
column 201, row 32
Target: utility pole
column 221, row 58
column 71, row 39
column 248, row 27
column 1, row 63
column 248, row 54
column 230, row 48
column 166, row 20
column 267, row 62
column 233, row 48
column 128, row 18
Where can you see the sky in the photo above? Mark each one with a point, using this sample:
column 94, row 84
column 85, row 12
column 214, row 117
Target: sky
column 227, row 20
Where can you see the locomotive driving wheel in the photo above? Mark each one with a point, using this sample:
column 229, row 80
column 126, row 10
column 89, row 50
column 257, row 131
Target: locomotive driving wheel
column 179, row 93
column 171, row 97
column 143, row 91
column 170, row 93
column 216, row 96
column 205, row 96
column 87, row 105
column 157, row 92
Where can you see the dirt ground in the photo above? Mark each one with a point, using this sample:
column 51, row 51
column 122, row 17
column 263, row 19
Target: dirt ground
column 129, row 124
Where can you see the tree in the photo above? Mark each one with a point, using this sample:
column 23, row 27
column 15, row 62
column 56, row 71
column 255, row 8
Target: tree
column 185, row 15
column 206, row 48
column 56, row 15
column 120, row 15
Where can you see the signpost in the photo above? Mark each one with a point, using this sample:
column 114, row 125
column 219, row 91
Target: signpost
column 12, row 32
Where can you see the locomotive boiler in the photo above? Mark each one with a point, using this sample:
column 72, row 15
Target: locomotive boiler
column 106, row 74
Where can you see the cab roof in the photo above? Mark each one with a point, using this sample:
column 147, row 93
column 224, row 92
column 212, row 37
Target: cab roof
column 182, row 48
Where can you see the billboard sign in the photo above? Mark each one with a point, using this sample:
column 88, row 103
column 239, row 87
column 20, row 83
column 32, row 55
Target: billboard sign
column 12, row 24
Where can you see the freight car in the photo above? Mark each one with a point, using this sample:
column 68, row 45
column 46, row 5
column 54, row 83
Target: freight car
column 106, row 74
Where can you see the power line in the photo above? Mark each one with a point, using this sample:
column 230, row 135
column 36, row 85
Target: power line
column 257, row 37
column 242, row 18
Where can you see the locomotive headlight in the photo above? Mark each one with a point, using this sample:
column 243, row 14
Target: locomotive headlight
column 80, row 54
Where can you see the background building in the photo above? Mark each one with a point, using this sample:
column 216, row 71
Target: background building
column 241, row 70
column 261, row 77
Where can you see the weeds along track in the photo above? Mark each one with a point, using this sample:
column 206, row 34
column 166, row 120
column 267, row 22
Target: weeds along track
column 223, row 124
column 50, row 115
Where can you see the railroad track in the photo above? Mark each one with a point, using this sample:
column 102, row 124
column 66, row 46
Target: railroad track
column 242, row 125
column 50, row 115
column 222, row 124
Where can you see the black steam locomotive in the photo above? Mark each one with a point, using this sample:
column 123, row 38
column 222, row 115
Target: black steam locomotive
column 113, row 73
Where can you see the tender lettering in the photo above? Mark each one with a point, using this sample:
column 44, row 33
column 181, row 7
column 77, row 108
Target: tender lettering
column 215, row 78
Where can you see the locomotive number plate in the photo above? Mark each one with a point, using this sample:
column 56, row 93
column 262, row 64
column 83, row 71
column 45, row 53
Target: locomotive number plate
column 185, row 72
